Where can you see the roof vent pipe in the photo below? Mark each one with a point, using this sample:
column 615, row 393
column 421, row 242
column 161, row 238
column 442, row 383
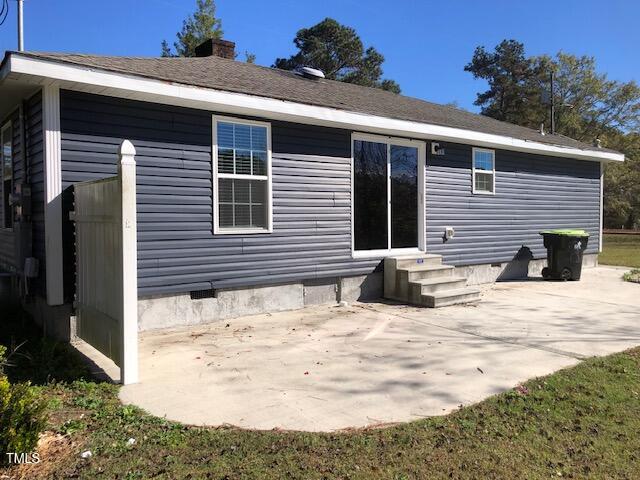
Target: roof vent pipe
column 20, row 26
column 312, row 73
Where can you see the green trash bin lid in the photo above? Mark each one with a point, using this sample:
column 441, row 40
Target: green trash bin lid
column 567, row 232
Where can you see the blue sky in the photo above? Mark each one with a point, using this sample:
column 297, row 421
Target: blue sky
column 426, row 43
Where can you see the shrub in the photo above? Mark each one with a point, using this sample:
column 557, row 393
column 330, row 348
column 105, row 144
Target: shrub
column 632, row 276
column 22, row 418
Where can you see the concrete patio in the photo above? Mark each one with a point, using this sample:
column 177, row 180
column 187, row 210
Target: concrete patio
column 329, row 367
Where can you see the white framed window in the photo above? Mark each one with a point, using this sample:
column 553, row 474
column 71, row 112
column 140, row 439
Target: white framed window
column 242, row 200
column 6, row 157
column 484, row 171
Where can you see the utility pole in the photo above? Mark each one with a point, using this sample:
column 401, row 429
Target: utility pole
column 552, row 105
column 20, row 26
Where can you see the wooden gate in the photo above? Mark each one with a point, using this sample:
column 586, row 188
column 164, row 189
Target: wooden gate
column 106, row 264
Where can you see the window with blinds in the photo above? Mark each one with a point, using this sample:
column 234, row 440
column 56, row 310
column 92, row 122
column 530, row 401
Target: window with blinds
column 484, row 172
column 242, row 166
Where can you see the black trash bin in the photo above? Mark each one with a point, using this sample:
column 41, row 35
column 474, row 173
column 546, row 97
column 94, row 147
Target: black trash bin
column 564, row 253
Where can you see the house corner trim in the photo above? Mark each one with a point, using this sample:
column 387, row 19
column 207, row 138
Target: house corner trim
column 602, row 167
column 53, row 194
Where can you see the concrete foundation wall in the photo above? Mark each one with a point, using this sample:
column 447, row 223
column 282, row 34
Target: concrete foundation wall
column 7, row 290
column 513, row 270
column 163, row 311
column 57, row 322
column 361, row 288
column 319, row 292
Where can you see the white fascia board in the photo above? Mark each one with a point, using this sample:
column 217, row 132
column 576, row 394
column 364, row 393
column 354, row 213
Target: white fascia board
column 136, row 87
column 601, row 206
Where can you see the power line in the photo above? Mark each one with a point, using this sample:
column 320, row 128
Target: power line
column 4, row 11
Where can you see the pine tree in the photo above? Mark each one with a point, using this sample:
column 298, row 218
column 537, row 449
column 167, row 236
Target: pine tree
column 197, row 28
column 338, row 51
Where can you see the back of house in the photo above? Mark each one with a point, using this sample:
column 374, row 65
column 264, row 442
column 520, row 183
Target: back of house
column 262, row 190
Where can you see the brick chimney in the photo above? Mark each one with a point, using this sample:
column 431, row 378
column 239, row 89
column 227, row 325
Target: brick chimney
column 217, row 47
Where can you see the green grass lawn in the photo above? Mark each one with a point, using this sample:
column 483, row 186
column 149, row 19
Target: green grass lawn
column 621, row 250
column 582, row 422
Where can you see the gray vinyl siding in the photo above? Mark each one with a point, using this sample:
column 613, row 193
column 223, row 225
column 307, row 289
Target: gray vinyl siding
column 532, row 193
column 35, row 161
column 7, row 237
column 177, row 250
column 35, row 176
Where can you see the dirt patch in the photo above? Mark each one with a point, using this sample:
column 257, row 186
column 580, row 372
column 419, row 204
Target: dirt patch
column 55, row 452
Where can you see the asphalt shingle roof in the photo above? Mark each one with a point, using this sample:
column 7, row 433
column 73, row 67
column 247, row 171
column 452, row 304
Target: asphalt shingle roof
column 232, row 76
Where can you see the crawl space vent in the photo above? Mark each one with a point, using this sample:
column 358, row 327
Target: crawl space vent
column 200, row 294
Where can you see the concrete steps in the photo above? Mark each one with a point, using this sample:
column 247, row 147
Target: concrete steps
column 450, row 297
column 422, row 279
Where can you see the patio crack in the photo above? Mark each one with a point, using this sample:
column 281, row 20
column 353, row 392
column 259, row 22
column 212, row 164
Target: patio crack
column 506, row 340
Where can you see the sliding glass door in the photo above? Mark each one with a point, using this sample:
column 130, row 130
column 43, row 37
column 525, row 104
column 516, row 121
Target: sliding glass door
column 404, row 196
column 370, row 195
column 388, row 210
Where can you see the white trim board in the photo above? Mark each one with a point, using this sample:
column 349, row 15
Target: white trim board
column 102, row 82
column 53, row 194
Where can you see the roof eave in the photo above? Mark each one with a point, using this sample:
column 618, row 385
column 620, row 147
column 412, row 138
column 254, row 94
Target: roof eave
column 106, row 82
column 5, row 66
